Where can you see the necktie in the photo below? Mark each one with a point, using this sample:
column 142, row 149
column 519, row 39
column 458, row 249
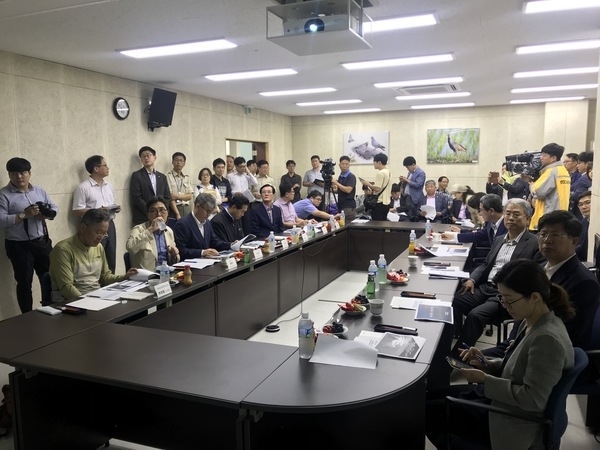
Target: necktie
column 270, row 213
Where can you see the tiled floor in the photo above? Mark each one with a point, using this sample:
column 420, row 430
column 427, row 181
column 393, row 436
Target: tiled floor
column 321, row 306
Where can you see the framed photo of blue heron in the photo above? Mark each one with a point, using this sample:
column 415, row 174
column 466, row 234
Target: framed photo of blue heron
column 453, row 145
column 362, row 147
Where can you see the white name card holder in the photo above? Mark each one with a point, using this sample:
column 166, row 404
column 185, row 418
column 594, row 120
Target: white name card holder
column 304, row 237
column 336, row 225
column 231, row 263
column 257, row 254
column 163, row 289
column 284, row 244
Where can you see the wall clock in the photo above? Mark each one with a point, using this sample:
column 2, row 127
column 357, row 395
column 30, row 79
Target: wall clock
column 120, row 108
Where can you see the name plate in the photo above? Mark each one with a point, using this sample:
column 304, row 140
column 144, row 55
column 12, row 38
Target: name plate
column 304, row 237
column 336, row 225
column 284, row 244
column 324, row 229
column 163, row 289
column 257, row 253
column 231, row 263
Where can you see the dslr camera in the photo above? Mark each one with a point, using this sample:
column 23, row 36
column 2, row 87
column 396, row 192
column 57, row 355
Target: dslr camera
column 528, row 160
column 327, row 169
column 46, row 210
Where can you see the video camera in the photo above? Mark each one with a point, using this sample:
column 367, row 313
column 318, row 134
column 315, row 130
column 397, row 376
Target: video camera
column 327, row 169
column 528, row 162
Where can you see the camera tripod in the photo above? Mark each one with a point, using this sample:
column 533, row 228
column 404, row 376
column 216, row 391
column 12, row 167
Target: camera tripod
column 327, row 192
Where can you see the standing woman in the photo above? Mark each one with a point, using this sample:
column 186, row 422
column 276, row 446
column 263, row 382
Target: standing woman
column 205, row 187
column 523, row 380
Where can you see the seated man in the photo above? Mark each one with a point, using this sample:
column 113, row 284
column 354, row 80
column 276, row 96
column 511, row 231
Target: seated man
column 266, row 217
column 435, row 200
column 193, row 233
column 227, row 225
column 286, row 203
column 308, row 208
column 584, row 203
column 78, row 264
column 151, row 243
column 477, row 299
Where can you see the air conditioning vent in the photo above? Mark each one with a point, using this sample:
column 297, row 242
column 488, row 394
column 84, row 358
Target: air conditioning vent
column 365, row 3
column 428, row 89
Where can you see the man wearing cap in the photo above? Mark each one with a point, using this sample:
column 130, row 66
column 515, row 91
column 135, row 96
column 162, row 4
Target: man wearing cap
column 266, row 217
column 145, row 184
column 552, row 189
column 26, row 237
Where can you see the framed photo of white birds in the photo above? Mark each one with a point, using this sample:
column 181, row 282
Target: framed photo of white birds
column 362, row 147
column 453, row 145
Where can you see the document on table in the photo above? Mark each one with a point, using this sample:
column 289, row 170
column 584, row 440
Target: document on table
column 443, row 274
column 447, row 250
column 196, row 263
column 393, row 345
column 435, row 312
column 141, row 275
column 115, row 290
column 393, row 217
column 413, row 302
column 92, row 304
column 338, row 352
column 360, row 221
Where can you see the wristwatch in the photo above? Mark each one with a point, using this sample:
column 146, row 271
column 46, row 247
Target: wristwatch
column 22, row 216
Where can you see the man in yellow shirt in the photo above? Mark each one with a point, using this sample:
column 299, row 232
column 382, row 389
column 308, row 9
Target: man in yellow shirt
column 552, row 189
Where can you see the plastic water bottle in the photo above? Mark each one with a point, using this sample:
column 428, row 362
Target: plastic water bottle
column 372, row 271
column 271, row 242
column 411, row 244
column 382, row 269
column 164, row 272
column 295, row 234
column 311, row 230
column 428, row 228
column 342, row 218
column 306, row 337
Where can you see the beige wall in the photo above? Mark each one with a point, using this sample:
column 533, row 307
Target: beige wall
column 56, row 116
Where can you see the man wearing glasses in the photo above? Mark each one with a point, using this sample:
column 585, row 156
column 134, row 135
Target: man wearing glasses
column 477, row 299
column 78, row 264
column 241, row 179
column 194, row 234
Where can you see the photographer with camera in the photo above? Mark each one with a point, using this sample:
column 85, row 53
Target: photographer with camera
column 346, row 186
column 23, row 212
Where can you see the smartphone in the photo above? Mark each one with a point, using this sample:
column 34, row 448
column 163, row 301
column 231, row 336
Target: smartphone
column 72, row 310
column 457, row 363
column 494, row 177
column 417, row 294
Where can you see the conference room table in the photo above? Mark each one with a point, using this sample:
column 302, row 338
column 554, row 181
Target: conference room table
column 159, row 381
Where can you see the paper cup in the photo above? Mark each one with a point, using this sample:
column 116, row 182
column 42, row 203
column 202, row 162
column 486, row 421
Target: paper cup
column 412, row 261
column 376, row 306
column 437, row 237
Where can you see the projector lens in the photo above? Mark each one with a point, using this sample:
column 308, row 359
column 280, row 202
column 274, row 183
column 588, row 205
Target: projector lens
column 314, row 26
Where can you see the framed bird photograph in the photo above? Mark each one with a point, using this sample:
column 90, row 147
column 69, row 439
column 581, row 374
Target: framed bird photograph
column 362, row 147
column 453, row 145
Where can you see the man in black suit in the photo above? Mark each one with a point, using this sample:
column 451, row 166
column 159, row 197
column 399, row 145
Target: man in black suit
column 584, row 203
column 193, row 233
column 477, row 299
column 266, row 217
column 227, row 225
column 145, row 184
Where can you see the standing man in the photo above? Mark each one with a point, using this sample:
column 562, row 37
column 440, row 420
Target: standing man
column 262, row 179
column 293, row 179
column 313, row 179
column 346, row 186
column 220, row 181
column 570, row 163
column 145, row 184
column 182, row 191
column 415, row 181
column 252, row 167
column 551, row 190
column 583, row 183
column 585, row 207
column 23, row 212
column 381, row 186
column 230, row 164
column 96, row 193
column 241, row 179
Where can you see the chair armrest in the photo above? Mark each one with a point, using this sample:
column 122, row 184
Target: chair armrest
column 496, row 409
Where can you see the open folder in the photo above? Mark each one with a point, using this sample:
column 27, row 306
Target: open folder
column 236, row 247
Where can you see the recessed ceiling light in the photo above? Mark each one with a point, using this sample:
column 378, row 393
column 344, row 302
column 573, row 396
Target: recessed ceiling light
column 297, row 91
column 400, row 23
column 554, row 88
column 398, row 62
column 546, row 100
column 431, row 96
column 331, row 102
column 352, row 111
column 251, row 74
column 559, row 47
column 431, row 81
column 554, row 72
column 446, row 105
column 179, row 49
column 558, row 5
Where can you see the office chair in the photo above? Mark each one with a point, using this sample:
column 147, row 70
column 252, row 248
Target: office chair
column 127, row 261
column 554, row 420
column 46, row 288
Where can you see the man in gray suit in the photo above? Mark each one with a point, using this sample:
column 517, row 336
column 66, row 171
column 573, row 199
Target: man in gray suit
column 145, row 184
column 477, row 299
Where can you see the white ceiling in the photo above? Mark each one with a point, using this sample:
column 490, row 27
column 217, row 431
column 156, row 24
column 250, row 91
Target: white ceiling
column 482, row 34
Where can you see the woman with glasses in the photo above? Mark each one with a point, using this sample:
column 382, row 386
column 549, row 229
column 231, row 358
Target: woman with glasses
column 153, row 242
column 205, row 187
column 521, row 381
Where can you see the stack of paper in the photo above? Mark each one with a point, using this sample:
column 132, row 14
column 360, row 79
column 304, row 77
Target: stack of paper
column 394, row 345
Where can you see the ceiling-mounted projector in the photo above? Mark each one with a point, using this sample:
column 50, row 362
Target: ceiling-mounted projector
column 293, row 27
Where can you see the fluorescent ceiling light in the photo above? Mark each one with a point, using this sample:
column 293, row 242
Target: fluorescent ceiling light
column 432, row 81
column 554, row 72
column 401, row 23
column 554, row 88
column 298, row 91
column 546, row 100
column 351, row 111
column 431, row 96
column 179, row 49
column 331, row 102
column 447, row 105
column 251, row 74
column 399, row 62
column 559, row 47
column 558, row 5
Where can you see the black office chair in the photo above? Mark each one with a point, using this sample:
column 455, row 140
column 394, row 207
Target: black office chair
column 46, row 288
column 127, row 261
column 554, row 420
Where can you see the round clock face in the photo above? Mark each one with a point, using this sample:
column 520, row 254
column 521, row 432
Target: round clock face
column 121, row 108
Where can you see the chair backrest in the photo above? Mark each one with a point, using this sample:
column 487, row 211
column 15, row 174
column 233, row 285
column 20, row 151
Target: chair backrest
column 594, row 343
column 46, row 288
column 127, row 261
column 556, row 409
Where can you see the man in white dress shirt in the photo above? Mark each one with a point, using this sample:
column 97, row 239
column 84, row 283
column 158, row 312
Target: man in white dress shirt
column 241, row 179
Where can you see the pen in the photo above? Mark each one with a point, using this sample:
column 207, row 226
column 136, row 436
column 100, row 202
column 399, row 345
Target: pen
column 481, row 360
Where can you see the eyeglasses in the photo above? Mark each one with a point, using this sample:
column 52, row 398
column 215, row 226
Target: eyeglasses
column 542, row 236
column 505, row 302
column 157, row 211
column 586, row 203
column 516, row 215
